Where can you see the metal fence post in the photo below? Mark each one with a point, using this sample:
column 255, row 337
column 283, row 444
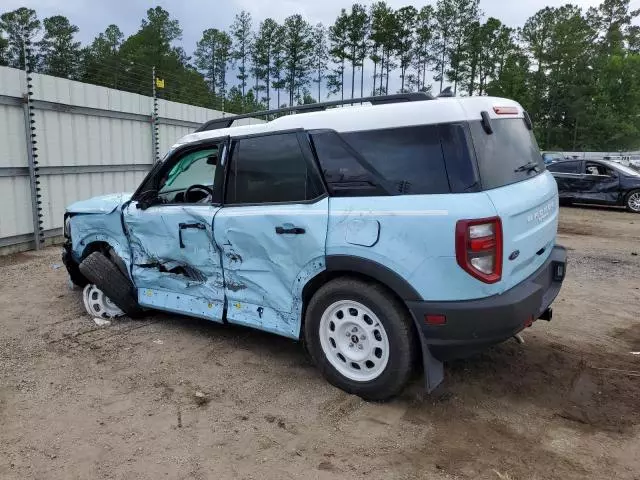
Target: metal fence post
column 155, row 143
column 32, row 149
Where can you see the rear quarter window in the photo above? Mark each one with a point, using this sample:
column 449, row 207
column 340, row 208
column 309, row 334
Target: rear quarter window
column 502, row 154
column 409, row 159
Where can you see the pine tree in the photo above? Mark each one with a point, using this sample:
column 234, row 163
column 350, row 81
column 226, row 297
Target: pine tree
column 19, row 26
column 320, row 55
column 356, row 29
column 101, row 61
column 384, row 26
column 263, row 54
column 59, row 54
column 279, row 62
column 405, row 39
column 338, row 38
column 443, row 38
column 212, row 55
column 298, row 51
column 243, row 44
column 422, row 52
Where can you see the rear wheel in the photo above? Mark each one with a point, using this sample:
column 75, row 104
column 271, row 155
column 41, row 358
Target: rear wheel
column 633, row 201
column 361, row 338
column 100, row 271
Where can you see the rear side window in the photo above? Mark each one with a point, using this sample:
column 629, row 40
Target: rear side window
column 565, row 167
column 343, row 172
column 504, row 157
column 409, row 159
column 271, row 169
column 458, row 152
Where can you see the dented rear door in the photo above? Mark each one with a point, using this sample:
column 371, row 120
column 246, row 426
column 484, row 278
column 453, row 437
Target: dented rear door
column 272, row 230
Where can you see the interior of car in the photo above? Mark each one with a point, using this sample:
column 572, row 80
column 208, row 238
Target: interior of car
column 190, row 179
column 598, row 169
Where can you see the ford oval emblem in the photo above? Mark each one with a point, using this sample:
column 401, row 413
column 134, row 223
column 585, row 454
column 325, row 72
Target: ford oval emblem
column 514, row 255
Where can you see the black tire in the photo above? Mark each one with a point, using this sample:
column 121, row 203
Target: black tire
column 627, row 201
column 74, row 274
column 396, row 322
column 100, row 271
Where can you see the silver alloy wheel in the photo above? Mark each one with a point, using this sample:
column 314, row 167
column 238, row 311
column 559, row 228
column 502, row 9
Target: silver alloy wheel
column 634, row 202
column 354, row 341
column 98, row 304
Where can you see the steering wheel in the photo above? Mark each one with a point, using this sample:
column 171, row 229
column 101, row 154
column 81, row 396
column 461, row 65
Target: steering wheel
column 202, row 188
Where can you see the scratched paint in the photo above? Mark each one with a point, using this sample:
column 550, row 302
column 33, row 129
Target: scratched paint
column 98, row 220
column 272, row 268
column 173, row 251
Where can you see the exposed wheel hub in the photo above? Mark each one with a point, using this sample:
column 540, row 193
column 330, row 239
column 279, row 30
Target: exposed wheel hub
column 98, row 304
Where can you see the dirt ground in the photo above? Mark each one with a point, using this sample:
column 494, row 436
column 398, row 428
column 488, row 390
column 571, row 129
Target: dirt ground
column 80, row 402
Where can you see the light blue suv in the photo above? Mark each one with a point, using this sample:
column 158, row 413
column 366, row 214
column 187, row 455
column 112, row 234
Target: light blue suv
column 407, row 229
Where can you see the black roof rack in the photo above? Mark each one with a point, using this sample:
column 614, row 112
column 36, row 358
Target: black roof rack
column 226, row 122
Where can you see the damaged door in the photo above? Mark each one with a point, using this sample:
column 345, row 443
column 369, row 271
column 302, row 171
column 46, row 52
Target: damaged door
column 175, row 262
column 272, row 230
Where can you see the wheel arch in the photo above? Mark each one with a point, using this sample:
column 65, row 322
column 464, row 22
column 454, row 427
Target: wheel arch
column 371, row 271
column 337, row 266
column 109, row 249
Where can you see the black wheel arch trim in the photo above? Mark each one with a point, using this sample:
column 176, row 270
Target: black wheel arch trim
column 375, row 270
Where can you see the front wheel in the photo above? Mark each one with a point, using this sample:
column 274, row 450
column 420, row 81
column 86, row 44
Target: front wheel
column 633, row 201
column 361, row 338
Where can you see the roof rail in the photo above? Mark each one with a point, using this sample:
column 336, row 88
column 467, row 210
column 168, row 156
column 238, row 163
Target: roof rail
column 226, row 122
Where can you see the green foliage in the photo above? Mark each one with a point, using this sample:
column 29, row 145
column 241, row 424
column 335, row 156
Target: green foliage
column 339, row 44
column 298, row 54
column 4, row 45
column 58, row 53
column 405, row 40
column 264, row 53
column 213, row 54
column 357, row 26
column 243, row 44
column 19, row 26
column 320, row 56
column 576, row 72
column 100, row 63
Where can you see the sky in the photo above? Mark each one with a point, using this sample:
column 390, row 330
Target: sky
column 195, row 16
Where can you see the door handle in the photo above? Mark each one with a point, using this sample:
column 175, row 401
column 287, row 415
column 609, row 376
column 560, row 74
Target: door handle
column 290, row 231
column 183, row 226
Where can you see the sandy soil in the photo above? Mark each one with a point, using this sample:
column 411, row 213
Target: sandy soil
column 77, row 401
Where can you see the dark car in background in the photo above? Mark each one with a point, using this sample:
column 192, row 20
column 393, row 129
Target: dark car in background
column 599, row 182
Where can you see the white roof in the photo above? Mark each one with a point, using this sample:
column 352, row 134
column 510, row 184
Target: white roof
column 372, row 117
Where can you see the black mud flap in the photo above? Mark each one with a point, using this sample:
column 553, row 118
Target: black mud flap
column 433, row 368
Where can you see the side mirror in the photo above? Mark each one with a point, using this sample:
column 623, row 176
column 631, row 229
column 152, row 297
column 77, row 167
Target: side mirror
column 148, row 199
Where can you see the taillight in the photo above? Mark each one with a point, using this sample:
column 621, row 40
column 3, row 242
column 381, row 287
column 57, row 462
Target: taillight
column 505, row 110
column 479, row 248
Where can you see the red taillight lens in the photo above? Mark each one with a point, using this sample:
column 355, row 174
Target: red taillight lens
column 479, row 248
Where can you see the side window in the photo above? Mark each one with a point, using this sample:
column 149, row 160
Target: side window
column 409, row 158
column 270, row 169
column 597, row 169
column 565, row 167
column 457, row 147
column 193, row 168
column 342, row 171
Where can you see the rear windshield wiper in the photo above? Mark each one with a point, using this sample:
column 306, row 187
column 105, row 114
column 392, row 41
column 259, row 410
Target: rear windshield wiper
column 528, row 167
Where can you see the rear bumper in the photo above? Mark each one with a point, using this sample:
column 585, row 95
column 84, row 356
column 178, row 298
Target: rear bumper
column 493, row 319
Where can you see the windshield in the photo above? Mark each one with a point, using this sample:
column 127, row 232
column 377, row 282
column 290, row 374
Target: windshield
column 509, row 155
column 624, row 169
